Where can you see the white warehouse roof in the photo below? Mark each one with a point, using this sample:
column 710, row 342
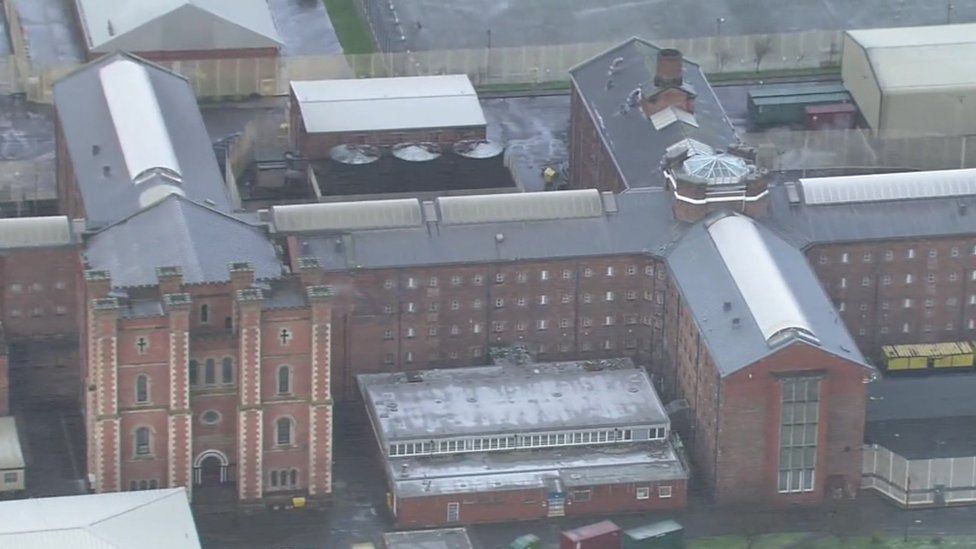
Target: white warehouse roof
column 918, row 58
column 176, row 25
column 150, row 519
column 376, row 104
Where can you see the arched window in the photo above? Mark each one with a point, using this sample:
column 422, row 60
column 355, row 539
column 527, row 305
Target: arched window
column 284, row 380
column 153, row 484
column 193, row 367
column 283, row 434
column 204, row 313
column 142, row 388
column 293, row 478
column 143, row 485
column 274, row 478
column 142, row 441
column 227, row 370
column 209, row 372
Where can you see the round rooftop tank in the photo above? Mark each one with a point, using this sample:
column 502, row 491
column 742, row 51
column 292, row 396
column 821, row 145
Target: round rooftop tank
column 416, row 152
column 478, row 148
column 355, row 154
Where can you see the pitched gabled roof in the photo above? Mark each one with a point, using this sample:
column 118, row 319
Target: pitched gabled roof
column 176, row 25
column 636, row 147
column 130, row 125
column 730, row 267
column 149, row 519
column 178, row 232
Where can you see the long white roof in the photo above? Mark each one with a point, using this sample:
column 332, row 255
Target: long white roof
column 339, row 216
column 138, row 118
column 167, row 25
column 21, row 232
column 920, row 58
column 888, row 186
column 11, row 455
column 537, row 206
column 150, row 519
column 764, row 288
column 374, row 104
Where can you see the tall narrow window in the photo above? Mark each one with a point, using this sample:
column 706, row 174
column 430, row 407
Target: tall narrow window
column 798, row 433
column 192, row 371
column 227, row 370
column 142, row 441
column 204, row 313
column 142, row 388
column 274, row 478
column 210, row 372
column 284, row 380
column 283, row 431
column 293, row 477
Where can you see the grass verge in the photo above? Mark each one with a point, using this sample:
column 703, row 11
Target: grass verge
column 353, row 32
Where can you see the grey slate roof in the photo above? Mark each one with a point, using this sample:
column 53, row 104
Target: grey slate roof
column 805, row 225
column 86, row 121
column 707, row 284
column 636, row 147
column 176, row 25
column 643, row 224
column 179, row 232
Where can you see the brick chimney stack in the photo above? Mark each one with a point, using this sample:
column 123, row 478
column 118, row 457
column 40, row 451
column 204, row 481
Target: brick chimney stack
column 670, row 69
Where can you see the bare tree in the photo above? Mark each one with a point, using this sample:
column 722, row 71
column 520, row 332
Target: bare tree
column 722, row 56
column 761, row 48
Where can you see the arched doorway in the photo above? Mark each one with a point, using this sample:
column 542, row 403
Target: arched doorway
column 210, row 471
column 210, row 468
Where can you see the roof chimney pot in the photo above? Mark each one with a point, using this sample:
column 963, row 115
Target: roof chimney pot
column 670, row 69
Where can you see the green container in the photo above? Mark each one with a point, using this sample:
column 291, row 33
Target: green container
column 666, row 534
column 528, row 541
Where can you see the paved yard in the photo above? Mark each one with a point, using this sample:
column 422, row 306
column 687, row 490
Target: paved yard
column 436, row 24
column 52, row 35
column 305, row 27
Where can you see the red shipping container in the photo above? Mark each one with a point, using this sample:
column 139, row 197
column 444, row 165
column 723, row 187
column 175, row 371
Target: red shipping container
column 602, row 535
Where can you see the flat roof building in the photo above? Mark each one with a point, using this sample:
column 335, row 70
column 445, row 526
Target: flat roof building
column 549, row 439
column 441, row 109
column 913, row 80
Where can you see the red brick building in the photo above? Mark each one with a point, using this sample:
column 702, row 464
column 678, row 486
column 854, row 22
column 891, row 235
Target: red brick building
column 383, row 112
column 179, row 30
column 177, row 288
column 522, row 442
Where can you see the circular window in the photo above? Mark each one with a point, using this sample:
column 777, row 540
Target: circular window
column 210, row 417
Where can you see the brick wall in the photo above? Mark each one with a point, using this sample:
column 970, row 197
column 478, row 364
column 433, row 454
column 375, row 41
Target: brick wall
column 39, row 292
column 870, row 283
column 590, row 165
column 750, row 424
column 448, row 316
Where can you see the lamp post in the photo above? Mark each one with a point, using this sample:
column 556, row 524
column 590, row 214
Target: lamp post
column 949, row 7
column 718, row 25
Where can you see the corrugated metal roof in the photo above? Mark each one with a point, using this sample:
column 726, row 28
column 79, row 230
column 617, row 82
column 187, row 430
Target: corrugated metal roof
column 11, row 456
column 889, row 186
column 535, row 206
column 372, row 104
column 148, row 519
column 337, row 216
column 756, row 274
column 18, row 232
column 916, row 58
column 177, row 25
column 138, row 120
